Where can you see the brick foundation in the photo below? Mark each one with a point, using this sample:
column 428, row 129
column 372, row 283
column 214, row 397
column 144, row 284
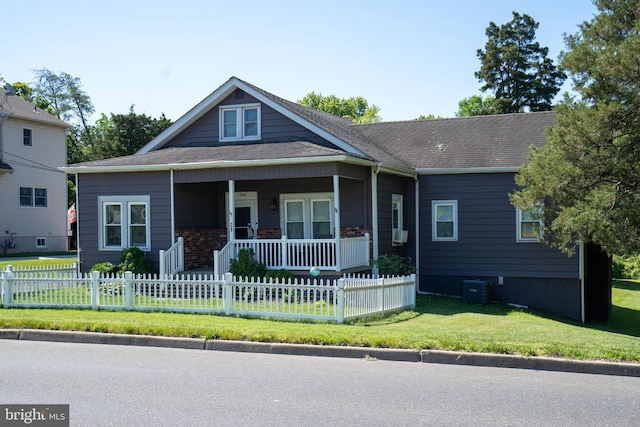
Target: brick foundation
column 199, row 244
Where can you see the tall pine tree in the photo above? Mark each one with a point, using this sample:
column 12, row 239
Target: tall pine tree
column 517, row 69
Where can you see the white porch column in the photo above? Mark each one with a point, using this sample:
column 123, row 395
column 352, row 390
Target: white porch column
column 336, row 222
column 232, row 210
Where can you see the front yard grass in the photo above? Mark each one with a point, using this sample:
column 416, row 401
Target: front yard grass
column 436, row 323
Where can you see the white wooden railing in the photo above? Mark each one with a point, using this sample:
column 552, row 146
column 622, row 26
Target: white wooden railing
column 172, row 260
column 336, row 300
column 299, row 254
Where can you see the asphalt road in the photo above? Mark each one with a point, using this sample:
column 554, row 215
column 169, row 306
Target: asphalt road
column 140, row 386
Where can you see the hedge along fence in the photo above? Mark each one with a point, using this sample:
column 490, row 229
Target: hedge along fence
column 336, row 300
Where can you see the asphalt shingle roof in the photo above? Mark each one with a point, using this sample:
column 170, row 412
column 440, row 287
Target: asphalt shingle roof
column 230, row 153
column 502, row 140
column 19, row 108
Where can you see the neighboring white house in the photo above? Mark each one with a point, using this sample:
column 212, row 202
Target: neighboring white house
column 33, row 192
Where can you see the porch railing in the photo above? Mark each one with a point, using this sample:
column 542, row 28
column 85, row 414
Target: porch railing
column 299, row 254
column 172, row 260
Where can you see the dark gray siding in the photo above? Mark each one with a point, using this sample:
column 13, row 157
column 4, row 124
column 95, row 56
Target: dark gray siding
column 292, row 171
column 387, row 186
column 274, row 127
column 533, row 274
column 90, row 186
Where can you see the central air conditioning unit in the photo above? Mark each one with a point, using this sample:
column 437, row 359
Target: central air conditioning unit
column 476, row 291
column 400, row 236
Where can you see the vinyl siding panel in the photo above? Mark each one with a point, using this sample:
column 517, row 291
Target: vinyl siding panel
column 91, row 186
column 486, row 245
column 34, row 167
column 274, row 126
column 387, row 186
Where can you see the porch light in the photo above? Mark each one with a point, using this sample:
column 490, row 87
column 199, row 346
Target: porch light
column 274, row 204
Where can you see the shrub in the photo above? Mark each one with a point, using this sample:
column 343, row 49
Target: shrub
column 133, row 260
column 104, row 267
column 626, row 267
column 281, row 275
column 394, row 265
column 246, row 265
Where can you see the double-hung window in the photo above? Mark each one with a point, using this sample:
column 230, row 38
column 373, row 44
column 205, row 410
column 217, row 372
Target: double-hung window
column 124, row 222
column 529, row 224
column 444, row 220
column 33, row 197
column 27, row 138
column 240, row 122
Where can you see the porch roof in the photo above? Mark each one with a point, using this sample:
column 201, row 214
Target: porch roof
column 222, row 156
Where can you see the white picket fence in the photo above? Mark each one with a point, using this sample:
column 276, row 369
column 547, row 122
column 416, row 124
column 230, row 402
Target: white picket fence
column 336, row 300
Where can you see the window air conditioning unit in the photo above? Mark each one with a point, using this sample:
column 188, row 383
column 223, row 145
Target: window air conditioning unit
column 400, row 236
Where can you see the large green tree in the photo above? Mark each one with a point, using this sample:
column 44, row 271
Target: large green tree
column 588, row 173
column 476, row 105
column 122, row 134
column 356, row 109
column 516, row 69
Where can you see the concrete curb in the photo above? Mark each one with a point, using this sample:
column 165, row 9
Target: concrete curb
column 399, row 355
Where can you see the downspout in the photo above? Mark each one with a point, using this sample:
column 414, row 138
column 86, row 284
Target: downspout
column 173, row 211
column 417, row 232
column 374, row 208
column 78, row 223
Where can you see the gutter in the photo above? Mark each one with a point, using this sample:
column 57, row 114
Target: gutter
column 451, row 171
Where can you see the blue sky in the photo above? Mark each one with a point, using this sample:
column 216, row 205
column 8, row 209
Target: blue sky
column 407, row 57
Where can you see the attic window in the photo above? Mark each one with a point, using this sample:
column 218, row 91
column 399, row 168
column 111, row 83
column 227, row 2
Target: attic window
column 240, row 122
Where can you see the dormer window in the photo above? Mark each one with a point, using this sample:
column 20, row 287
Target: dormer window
column 240, row 122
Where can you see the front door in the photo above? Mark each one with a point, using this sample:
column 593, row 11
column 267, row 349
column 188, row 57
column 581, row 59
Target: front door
column 245, row 214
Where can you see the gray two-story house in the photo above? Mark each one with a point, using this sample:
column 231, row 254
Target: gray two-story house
column 305, row 189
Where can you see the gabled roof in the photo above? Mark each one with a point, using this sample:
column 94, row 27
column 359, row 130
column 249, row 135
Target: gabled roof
column 340, row 132
column 14, row 106
column 500, row 141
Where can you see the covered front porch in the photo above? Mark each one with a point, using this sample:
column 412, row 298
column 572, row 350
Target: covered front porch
column 312, row 221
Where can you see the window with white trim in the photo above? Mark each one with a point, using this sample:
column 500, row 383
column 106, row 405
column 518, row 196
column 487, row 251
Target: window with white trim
column 444, row 214
column 240, row 122
column 529, row 224
column 33, row 197
column 396, row 216
column 124, row 222
column 27, row 137
column 308, row 216
column 41, row 242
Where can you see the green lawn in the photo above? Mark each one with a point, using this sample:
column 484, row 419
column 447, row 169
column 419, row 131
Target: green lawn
column 436, row 323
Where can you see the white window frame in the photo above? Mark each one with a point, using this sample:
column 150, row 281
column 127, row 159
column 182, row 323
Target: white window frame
column 33, row 197
column 307, row 200
column 520, row 222
column 240, row 122
column 41, row 242
column 125, row 203
column 397, row 204
column 435, row 204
